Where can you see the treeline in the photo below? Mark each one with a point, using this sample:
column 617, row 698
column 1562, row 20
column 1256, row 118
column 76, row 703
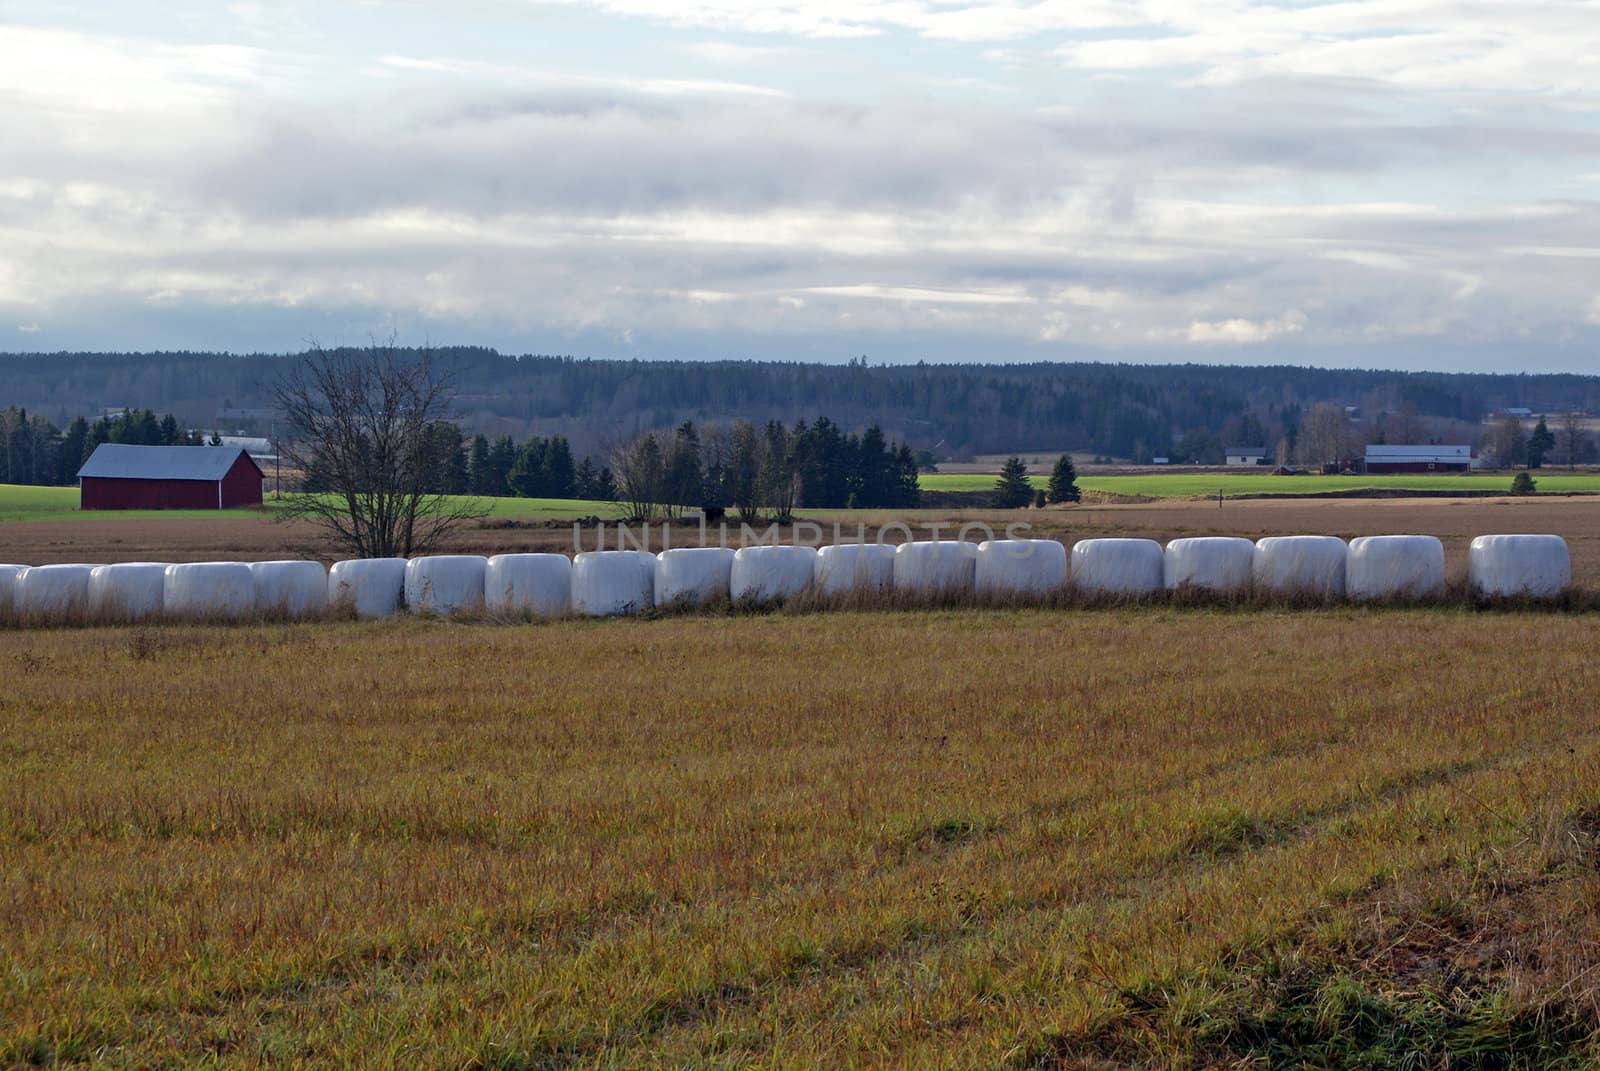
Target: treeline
column 35, row 451
column 956, row 410
column 771, row 471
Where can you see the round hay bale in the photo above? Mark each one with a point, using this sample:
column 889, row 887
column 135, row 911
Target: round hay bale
column 1217, row 564
column 370, row 587
column 771, row 574
column 1527, row 566
column 127, row 591
column 53, row 594
column 535, row 584
column 445, row 584
column 935, row 567
column 1394, row 567
column 693, row 576
column 291, row 589
column 853, row 568
column 612, row 583
column 203, row 590
column 1117, row 567
column 1300, row 566
column 1027, row 567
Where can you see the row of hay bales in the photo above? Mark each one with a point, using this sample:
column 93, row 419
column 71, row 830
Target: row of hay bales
column 610, row 583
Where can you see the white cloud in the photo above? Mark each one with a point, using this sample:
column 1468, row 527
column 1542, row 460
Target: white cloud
column 1244, row 332
column 29, row 328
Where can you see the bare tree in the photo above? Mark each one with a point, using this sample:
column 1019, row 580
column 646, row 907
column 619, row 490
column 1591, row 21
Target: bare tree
column 359, row 424
column 1505, row 444
column 1571, row 440
column 1324, row 436
column 641, row 473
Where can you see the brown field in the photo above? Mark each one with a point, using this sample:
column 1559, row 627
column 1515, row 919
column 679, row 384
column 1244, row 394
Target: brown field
column 251, row 537
column 977, row 839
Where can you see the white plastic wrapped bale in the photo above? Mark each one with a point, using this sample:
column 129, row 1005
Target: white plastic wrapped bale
column 209, row 589
column 1532, row 566
column 771, row 574
column 610, row 583
column 371, row 587
column 291, row 589
column 1218, row 564
column 536, row 584
column 1300, row 565
column 127, row 591
column 934, row 567
column 51, row 593
column 854, row 568
column 1117, row 566
column 1394, row 567
column 445, row 584
column 1036, row 567
column 9, row 575
column 693, row 576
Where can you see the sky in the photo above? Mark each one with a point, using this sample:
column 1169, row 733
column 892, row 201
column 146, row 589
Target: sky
column 1370, row 183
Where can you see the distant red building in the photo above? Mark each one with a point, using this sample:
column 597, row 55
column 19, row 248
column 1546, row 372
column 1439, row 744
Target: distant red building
column 168, row 477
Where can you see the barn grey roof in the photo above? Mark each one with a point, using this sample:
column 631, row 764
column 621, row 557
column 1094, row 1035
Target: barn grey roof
column 117, row 461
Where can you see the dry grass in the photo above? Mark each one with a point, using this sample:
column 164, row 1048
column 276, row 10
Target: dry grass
column 965, row 839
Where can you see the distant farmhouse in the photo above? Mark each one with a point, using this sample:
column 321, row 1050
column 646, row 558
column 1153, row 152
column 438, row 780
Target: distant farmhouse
column 1419, row 459
column 1245, row 455
column 118, row 476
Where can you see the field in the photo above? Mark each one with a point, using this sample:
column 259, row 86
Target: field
column 978, row 839
column 1233, row 482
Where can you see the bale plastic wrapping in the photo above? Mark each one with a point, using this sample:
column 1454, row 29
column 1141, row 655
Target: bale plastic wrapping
column 1033, row 567
column 209, row 589
column 846, row 568
column 609, row 583
column 127, row 591
column 536, row 584
column 1300, row 565
column 295, row 589
column 771, row 574
column 693, row 576
column 445, row 584
column 1532, row 566
column 1394, row 567
column 371, row 587
column 1219, row 564
column 9, row 575
column 934, row 567
column 1117, row 566
column 47, row 593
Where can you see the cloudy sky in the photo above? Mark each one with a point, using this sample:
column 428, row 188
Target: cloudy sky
column 1396, row 183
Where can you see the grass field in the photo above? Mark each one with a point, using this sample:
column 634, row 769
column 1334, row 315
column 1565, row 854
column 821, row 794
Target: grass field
column 920, row 840
column 20, row 503
column 1190, row 485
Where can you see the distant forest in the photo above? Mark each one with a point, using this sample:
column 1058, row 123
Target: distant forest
column 1186, row 412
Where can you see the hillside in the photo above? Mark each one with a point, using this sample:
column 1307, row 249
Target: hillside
column 957, row 409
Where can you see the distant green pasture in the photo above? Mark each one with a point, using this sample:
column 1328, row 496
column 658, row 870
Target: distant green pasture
column 1192, row 485
column 21, row 503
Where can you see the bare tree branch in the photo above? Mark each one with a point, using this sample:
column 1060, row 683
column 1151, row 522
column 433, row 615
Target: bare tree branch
column 359, row 427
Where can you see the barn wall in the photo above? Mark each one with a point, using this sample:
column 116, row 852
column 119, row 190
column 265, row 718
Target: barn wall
column 98, row 492
column 1417, row 466
column 242, row 485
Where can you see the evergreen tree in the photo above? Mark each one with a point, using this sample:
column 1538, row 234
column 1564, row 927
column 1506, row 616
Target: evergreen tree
column 583, row 478
column 744, row 474
column 528, row 474
column 683, row 482
column 1540, row 443
column 482, row 481
column 1063, row 481
column 605, row 486
column 502, row 455
column 1013, row 490
column 560, row 475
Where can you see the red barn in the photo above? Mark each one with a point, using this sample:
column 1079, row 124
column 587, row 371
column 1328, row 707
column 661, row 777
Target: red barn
column 168, row 477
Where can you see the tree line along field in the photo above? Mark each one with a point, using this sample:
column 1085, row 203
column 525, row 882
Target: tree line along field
column 19, row 502
column 998, row 839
